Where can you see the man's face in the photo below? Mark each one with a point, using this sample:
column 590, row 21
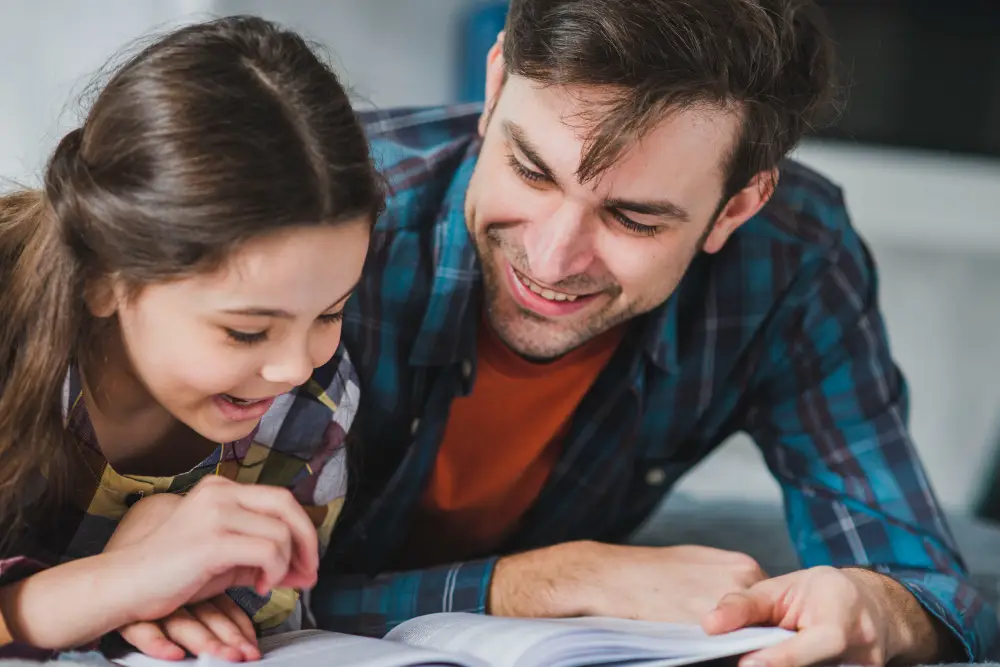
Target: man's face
column 564, row 261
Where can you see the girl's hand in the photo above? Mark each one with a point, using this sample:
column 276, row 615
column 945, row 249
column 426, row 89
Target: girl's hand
column 185, row 549
column 217, row 627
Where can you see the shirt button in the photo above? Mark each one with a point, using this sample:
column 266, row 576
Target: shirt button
column 466, row 369
column 655, row 476
column 414, row 426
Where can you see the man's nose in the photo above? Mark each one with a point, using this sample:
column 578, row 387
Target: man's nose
column 559, row 246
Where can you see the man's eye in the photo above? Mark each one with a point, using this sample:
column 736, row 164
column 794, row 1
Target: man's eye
column 527, row 174
column 632, row 226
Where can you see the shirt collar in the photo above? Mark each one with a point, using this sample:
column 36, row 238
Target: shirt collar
column 448, row 329
column 659, row 334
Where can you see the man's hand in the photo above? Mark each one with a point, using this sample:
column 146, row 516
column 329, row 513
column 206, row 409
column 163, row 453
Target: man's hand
column 848, row 616
column 676, row 584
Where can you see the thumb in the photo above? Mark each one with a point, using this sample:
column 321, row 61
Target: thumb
column 740, row 610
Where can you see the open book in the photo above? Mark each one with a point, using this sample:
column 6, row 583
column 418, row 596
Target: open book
column 470, row 640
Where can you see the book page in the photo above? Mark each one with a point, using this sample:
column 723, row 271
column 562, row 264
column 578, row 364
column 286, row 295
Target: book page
column 686, row 638
column 501, row 642
column 315, row 648
column 507, row 642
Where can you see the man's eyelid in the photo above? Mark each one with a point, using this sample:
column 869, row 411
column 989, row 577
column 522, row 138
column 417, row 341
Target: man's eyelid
column 519, row 155
column 644, row 219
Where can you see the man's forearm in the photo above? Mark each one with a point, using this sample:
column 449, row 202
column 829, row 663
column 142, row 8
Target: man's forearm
column 371, row 606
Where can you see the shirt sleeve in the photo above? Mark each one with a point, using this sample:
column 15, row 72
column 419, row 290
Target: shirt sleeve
column 830, row 416
column 372, row 606
column 15, row 568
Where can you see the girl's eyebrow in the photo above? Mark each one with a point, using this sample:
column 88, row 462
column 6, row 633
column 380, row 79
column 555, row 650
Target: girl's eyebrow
column 260, row 311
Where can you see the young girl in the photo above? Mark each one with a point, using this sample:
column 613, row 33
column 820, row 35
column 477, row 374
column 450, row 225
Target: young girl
column 169, row 324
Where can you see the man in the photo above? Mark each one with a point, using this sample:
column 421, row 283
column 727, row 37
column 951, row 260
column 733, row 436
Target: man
column 576, row 294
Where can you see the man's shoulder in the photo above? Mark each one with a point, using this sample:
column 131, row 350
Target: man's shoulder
column 779, row 256
column 806, row 217
column 418, row 128
column 419, row 151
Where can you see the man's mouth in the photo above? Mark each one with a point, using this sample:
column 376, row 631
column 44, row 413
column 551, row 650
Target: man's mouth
column 545, row 292
column 544, row 301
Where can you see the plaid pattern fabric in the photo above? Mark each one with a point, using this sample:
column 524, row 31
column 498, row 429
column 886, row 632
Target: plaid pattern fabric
column 779, row 335
column 298, row 445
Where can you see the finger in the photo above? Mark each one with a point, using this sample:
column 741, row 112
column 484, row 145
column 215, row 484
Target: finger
column 230, row 624
column 235, row 612
column 811, row 646
column 282, row 505
column 185, row 629
column 148, row 638
column 279, row 504
column 740, row 610
column 240, row 552
column 245, row 522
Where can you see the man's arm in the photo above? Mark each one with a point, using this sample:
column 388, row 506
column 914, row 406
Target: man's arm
column 674, row 584
column 371, row 606
column 830, row 417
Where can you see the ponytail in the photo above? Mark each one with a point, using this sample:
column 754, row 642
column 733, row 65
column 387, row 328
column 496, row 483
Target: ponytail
column 40, row 320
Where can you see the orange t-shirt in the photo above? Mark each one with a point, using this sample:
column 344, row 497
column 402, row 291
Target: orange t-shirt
column 500, row 445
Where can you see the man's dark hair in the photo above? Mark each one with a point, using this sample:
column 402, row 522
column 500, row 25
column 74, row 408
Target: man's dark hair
column 769, row 60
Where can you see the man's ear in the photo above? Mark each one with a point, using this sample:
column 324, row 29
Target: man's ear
column 741, row 207
column 496, row 75
column 102, row 295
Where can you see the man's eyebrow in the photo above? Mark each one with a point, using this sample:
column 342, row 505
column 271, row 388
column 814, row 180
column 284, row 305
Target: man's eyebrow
column 516, row 134
column 662, row 208
column 258, row 311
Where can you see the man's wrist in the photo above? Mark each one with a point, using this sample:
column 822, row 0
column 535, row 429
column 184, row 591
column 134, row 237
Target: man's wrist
column 534, row 583
column 914, row 635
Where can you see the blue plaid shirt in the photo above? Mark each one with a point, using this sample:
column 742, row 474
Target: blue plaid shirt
column 779, row 336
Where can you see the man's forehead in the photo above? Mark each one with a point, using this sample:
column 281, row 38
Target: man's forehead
column 561, row 122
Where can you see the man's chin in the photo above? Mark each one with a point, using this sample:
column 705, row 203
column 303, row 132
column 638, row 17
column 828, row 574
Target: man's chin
column 534, row 339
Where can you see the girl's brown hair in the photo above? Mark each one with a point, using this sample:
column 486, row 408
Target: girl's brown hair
column 214, row 134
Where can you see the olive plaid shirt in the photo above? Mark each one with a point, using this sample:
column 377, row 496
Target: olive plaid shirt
column 298, row 445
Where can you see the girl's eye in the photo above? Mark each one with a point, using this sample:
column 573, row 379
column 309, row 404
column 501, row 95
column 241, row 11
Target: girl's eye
column 246, row 337
column 331, row 318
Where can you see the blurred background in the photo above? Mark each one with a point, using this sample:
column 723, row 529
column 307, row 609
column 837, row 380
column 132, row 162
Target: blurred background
column 917, row 151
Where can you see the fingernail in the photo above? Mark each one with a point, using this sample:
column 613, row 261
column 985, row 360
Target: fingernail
column 753, row 662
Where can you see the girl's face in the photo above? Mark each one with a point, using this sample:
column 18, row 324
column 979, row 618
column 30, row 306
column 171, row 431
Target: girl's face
column 216, row 349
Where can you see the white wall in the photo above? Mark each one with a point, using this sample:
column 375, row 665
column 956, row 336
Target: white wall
column 392, row 52
column 49, row 52
column 930, row 218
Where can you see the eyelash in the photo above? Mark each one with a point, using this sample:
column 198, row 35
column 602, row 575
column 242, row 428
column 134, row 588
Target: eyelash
column 244, row 338
column 534, row 178
column 633, row 226
column 525, row 173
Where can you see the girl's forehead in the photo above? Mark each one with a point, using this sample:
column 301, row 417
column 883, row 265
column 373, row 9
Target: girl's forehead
column 297, row 270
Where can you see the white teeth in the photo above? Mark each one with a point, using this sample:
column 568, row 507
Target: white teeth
column 546, row 293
